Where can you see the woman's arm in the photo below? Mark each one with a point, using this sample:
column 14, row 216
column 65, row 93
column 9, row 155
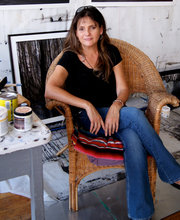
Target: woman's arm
column 112, row 117
column 54, row 90
column 122, row 89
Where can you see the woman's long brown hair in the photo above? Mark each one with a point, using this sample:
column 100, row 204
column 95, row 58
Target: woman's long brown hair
column 104, row 66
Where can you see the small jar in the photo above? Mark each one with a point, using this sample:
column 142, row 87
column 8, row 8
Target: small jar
column 3, row 121
column 165, row 112
column 23, row 118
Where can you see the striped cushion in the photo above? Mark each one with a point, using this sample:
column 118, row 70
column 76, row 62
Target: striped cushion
column 98, row 147
column 101, row 142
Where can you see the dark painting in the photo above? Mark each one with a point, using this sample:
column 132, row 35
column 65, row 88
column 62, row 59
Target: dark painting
column 132, row 0
column 34, row 59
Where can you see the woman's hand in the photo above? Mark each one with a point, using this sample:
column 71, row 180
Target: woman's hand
column 95, row 119
column 112, row 119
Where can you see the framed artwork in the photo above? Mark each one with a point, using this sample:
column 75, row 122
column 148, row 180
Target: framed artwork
column 27, row 2
column 31, row 56
column 131, row 0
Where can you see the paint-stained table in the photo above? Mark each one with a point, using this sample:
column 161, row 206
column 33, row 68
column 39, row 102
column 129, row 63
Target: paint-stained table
column 21, row 154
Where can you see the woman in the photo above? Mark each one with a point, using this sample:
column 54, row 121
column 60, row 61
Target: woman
column 96, row 89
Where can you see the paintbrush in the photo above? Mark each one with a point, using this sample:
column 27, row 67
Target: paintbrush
column 13, row 84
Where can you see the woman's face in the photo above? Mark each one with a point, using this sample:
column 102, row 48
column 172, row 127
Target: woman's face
column 88, row 32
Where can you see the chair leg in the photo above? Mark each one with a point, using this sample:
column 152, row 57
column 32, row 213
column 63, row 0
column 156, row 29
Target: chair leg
column 153, row 187
column 76, row 199
column 73, row 197
column 70, row 196
column 152, row 177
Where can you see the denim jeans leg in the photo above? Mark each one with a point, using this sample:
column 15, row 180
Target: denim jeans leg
column 140, row 203
column 168, row 168
column 139, row 197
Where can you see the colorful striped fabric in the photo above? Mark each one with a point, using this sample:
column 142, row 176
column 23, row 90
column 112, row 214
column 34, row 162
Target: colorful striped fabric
column 101, row 142
column 98, row 147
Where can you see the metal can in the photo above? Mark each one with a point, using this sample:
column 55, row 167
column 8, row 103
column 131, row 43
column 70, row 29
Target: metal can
column 3, row 121
column 9, row 100
column 23, row 118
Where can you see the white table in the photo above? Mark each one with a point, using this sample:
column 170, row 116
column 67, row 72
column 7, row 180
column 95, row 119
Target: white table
column 21, row 154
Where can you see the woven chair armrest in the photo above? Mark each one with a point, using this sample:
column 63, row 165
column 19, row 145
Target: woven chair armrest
column 64, row 109
column 156, row 102
column 21, row 99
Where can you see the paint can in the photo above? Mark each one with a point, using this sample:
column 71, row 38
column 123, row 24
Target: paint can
column 165, row 112
column 9, row 100
column 23, row 118
column 3, row 121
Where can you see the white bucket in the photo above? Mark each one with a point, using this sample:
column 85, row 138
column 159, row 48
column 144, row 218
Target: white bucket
column 3, row 121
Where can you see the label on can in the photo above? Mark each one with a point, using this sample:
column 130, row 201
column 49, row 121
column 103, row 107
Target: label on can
column 3, row 121
column 9, row 100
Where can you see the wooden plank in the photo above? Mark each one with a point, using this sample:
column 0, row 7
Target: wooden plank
column 14, row 207
column 174, row 216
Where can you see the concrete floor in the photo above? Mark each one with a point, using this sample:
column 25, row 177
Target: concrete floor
column 109, row 202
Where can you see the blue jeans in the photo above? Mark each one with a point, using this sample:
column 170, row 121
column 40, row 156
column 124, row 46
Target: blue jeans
column 139, row 139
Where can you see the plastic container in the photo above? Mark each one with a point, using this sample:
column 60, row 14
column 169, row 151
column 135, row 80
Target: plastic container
column 23, row 118
column 165, row 112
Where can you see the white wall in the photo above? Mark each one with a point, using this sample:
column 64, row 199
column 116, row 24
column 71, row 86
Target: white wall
column 153, row 29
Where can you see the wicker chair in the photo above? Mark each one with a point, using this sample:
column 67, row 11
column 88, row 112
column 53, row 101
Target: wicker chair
column 141, row 76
